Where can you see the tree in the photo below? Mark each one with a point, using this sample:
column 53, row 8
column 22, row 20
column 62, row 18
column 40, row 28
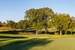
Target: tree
column 11, row 24
column 72, row 25
column 47, row 15
column 62, row 22
column 23, row 24
column 39, row 18
column 1, row 24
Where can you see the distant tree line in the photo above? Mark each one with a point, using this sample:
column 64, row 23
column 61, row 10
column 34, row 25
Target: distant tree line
column 43, row 19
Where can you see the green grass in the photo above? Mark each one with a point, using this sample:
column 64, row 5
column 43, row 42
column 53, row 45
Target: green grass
column 37, row 42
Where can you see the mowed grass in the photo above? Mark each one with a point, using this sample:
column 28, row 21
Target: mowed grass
column 37, row 42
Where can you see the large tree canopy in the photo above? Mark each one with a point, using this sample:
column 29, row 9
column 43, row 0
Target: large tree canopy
column 39, row 17
column 62, row 22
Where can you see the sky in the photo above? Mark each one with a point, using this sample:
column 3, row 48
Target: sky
column 14, row 9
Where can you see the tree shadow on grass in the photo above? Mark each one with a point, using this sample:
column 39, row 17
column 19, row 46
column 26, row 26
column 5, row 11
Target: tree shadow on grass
column 25, row 44
column 9, row 32
column 17, row 37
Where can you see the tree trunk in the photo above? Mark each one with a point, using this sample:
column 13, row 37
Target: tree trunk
column 71, row 32
column 60, row 32
column 37, row 32
column 65, row 32
column 46, row 29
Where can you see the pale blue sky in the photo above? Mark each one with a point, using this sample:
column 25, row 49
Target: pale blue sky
column 14, row 9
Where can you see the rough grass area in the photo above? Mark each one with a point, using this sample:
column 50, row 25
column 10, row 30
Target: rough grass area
column 37, row 42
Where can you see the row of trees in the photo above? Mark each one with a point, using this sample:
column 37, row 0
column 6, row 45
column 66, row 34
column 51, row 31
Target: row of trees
column 43, row 19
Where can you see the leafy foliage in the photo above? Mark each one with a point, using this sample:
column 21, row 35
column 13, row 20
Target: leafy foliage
column 39, row 17
column 62, row 21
